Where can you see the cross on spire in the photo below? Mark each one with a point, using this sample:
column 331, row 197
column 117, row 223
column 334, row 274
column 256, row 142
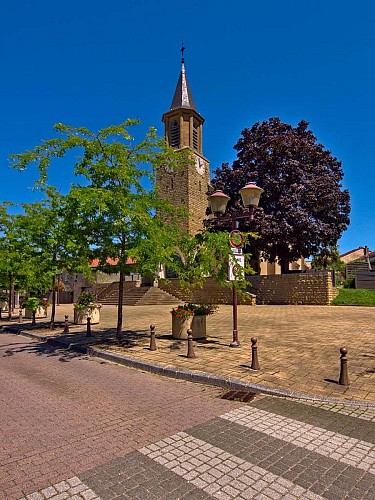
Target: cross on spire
column 183, row 97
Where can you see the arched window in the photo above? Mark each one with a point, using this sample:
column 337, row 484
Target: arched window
column 175, row 135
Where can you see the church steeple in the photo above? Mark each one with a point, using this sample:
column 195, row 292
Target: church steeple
column 183, row 123
column 183, row 97
column 185, row 187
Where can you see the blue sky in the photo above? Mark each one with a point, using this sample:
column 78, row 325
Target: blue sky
column 89, row 63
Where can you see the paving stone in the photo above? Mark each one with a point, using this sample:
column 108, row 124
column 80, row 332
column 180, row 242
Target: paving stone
column 35, row 496
column 49, row 492
column 287, row 461
column 244, row 449
column 163, row 479
column 254, row 476
column 65, row 495
column 249, row 417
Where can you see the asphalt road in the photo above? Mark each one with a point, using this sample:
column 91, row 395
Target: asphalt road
column 75, row 427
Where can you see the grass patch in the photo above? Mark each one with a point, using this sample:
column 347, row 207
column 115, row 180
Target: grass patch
column 354, row 297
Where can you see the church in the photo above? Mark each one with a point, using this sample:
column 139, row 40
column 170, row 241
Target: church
column 188, row 187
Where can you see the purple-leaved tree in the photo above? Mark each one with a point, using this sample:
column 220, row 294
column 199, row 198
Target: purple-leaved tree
column 303, row 207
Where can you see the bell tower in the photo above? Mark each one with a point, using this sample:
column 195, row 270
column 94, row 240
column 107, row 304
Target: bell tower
column 186, row 187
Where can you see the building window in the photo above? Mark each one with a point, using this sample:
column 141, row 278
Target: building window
column 200, row 186
column 195, row 135
column 175, row 135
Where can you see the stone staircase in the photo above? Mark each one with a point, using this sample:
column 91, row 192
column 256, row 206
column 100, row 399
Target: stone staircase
column 136, row 296
column 156, row 296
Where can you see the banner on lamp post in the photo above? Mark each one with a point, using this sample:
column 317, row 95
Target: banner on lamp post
column 236, row 267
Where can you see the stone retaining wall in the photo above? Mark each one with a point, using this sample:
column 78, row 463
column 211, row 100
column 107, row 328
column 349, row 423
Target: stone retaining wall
column 300, row 288
column 210, row 293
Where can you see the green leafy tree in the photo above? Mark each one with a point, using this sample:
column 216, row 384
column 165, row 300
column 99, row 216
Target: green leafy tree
column 328, row 258
column 13, row 254
column 206, row 254
column 45, row 229
column 113, row 212
column 303, row 208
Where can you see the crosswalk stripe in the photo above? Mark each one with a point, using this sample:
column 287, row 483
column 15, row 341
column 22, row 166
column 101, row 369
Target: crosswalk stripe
column 219, row 473
column 69, row 488
column 339, row 447
column 363, row 412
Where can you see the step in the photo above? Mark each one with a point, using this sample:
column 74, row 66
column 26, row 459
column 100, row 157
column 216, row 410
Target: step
column 156, row 296
column 140, row 296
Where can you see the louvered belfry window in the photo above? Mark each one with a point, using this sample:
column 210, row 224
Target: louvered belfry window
column 175, row 135
column 195, row 136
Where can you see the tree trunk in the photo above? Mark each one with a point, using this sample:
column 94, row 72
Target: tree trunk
column 33, row 321
column 119, row 307
column 53, row 310
column 284, row 264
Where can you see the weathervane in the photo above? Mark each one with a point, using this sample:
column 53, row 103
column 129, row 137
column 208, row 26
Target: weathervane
column 182, row 52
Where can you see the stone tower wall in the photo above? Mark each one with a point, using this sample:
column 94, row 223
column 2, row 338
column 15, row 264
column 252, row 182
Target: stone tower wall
column 173, row 186
column 197, row 197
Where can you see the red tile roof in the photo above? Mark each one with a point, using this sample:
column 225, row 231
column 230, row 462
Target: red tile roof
column 111, row 262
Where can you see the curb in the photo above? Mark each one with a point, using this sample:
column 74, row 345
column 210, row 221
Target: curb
column 189, row 376
column 215, row 380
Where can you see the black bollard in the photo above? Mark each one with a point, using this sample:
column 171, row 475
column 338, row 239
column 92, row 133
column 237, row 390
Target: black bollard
column 20, row 315
column 190, row 353
column 254, row 354
column 88, row 331
column 344, row 377
column 66, row 324
column 152, row 338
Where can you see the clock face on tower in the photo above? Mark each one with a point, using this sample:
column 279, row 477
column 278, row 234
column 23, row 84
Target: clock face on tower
column 199, row 165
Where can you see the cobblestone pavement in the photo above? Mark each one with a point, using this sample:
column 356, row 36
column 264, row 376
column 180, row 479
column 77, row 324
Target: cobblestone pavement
column 268, row 449
column 298, row 346
column 63, row 413
column 75, row 427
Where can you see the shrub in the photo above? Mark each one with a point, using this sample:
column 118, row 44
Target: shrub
column 86, row 300
column 189, row 309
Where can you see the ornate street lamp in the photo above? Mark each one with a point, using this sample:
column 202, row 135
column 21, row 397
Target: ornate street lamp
column 218, row 201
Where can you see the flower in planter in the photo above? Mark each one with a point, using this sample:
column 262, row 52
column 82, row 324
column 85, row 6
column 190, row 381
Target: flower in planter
column 189, row 309
column 86, row 300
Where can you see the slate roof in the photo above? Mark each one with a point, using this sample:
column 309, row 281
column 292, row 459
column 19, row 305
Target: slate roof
column 183, row 97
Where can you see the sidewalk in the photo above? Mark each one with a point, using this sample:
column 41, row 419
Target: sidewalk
column 298, row 347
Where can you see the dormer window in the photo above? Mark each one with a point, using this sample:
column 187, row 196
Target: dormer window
column 175, row 135
column 195, row 135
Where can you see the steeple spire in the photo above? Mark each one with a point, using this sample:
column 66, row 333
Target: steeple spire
column 183, row 98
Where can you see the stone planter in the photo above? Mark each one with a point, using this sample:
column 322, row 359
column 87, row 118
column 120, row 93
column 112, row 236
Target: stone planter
column 81, row 315
column 181, row 325
column 41, row 312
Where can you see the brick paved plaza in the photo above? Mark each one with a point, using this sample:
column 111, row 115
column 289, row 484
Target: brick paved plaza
column 298, row 346
column 78, row 427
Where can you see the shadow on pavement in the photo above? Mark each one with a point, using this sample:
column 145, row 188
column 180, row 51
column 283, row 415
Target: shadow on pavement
column 40, row 349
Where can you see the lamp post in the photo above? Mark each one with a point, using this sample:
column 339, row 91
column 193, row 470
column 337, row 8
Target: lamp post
column 218, row 201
